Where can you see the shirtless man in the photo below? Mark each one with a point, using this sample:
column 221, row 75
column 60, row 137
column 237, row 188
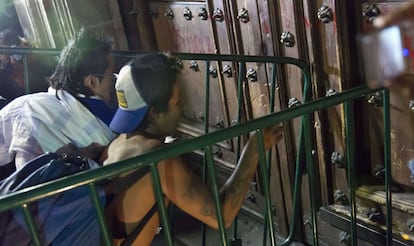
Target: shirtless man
column 149, row 109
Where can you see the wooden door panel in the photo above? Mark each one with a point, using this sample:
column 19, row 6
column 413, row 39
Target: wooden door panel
column 312, row 28
column 254, row 37
column 329, row 41
column 289, row 42
column 245, row 13
column 193, row 83
column 291, row 47
column 177, row 34
column 138, row 24
column 50, row 24
column 223, row 35
column 178, row 28
column 331, row 81
column 290, row 85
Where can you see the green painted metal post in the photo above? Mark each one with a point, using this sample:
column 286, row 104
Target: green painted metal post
column 162, row 211
column 96, row 203
column 269, row 154
column 307, row 125
column 266, row 189
column 350, row 159
column 206, row 129
column 236, row 241
column 31, row 226
column 387, row 165
column 216, row 194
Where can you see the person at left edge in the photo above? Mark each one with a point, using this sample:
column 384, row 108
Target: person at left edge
column 74, row 114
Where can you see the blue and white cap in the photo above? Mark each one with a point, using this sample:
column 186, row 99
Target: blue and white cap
column 131, row 106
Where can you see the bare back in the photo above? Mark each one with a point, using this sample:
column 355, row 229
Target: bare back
column 132, row 205
column 179, row 184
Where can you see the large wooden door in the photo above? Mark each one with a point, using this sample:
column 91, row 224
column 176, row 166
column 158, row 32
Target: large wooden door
column 326, row 24
column 369, row 161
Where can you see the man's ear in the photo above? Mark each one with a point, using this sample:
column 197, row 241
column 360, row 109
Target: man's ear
column 152, row 115
column 90, row 82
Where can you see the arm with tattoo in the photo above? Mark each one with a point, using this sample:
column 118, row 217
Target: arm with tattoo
column 195, row 198
column 235, row 189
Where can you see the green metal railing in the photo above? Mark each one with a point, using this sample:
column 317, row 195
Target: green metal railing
column 305, row 111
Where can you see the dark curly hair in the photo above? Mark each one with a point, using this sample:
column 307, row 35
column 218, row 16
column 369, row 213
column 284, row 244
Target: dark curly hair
column 9, row 37
column 85, row 54
column 154, row 75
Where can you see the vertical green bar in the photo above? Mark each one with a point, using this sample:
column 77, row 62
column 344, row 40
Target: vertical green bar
column 272, row 88
column 311, row 174
column 31, row 226
column 239, row 103
column 162, row 211
column 206, row 126
column 298, row 172
column 387, row 164
column 214, row 186
column 266, row 189
column 26, row 74
column 96, row 202
column 308, row 149
column 207, row 99
column 239, row 114
column 350, row 159
column 269, row 154
column 296, row 201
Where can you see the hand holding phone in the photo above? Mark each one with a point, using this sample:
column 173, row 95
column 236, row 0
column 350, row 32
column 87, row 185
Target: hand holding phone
column 388, row 54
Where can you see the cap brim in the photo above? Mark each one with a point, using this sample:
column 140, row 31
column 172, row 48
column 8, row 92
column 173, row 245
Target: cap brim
column 126, row 121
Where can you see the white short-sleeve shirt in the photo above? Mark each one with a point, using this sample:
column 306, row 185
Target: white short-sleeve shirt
column 41, row 122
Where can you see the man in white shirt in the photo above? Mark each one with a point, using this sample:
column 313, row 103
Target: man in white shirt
column 72, row 116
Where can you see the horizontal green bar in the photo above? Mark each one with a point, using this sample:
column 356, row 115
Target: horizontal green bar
column 29, row 51
column 185, row 56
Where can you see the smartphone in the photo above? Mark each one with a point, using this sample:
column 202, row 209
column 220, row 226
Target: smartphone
column 388, row 53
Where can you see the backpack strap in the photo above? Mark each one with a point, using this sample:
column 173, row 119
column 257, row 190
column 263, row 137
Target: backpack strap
column 117, row 187
column 134, row 234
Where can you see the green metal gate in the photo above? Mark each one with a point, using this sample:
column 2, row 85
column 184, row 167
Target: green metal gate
column 91, row 178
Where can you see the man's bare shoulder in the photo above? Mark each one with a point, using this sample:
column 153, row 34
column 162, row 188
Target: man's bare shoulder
column 128, row 146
